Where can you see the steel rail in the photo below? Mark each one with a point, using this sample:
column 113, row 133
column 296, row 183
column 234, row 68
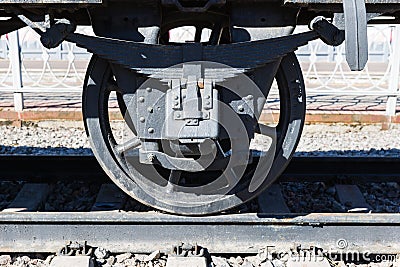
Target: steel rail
column 240, row 233
column 144, row 232
column 45, row 168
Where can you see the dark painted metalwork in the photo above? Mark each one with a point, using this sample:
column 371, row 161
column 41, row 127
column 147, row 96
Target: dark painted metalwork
column 329, row 34
column 356, row 33
column 57, row 33
column 242, row 233
column 86, row 168
column 128, row 173
column 10, row 25
column 145, row 58
column 250, row 38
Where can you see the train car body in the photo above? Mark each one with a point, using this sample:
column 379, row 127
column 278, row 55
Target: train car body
column 193, row 143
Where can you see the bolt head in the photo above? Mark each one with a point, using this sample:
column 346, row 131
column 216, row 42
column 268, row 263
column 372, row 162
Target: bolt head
column 141, row 99
column 151, row 157
column 148, row 89
column 240, row 108
column 142, row 119
column 150, row 109
column 176, row 97
column 150, row 130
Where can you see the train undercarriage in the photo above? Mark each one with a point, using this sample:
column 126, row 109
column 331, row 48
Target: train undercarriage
column 193, row 143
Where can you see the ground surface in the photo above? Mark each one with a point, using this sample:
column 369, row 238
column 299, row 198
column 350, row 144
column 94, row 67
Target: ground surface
column 68, row 137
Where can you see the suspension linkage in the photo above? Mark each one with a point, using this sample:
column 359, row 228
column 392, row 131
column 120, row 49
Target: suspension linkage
column 236, row 55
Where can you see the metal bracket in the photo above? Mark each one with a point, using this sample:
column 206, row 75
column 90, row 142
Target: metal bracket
column 191, row 106
column 329, row 34
column 187, row 250
column 183, row 164
column 75, row 249
column 54, row 36
column 146, row 58
column 51, row 36
column 355, row 16
column 208, row 95
column 176, row 94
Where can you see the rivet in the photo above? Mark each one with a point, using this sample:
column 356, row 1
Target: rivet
column 150, row 109
column 208, row 103
column 176, row 104
column 148, row 89
column 178, row 115
column 142, row 119
column 150, row 130
column 141, row 99
column 176, row 97
column 240, row 108
column 208, row 97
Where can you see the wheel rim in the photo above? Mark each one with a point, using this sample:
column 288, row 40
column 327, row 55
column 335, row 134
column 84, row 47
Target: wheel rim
column 95, row 111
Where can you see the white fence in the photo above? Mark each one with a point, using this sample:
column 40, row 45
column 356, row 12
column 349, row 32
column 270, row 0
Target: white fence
column 25, row 66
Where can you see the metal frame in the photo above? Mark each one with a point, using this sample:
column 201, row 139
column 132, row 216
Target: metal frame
column 392, row 91
column 15, row 56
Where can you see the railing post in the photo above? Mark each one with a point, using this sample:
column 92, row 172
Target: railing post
column 15, row 58
column 394, row 73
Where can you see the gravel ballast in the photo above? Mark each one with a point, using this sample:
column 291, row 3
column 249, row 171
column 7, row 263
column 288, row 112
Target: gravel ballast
column 66, row 138
column 103, row 258
column 69, row 138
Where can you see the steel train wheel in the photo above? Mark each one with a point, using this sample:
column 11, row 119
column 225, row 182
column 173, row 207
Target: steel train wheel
column 95, row 112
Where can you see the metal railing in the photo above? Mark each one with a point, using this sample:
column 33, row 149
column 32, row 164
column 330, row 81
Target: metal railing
column 28, row 67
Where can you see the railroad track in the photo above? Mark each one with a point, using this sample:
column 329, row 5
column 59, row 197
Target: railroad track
column 41, row 168
column 26, row 227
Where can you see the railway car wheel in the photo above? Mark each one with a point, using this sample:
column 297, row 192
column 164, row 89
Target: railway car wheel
column 172, row 190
